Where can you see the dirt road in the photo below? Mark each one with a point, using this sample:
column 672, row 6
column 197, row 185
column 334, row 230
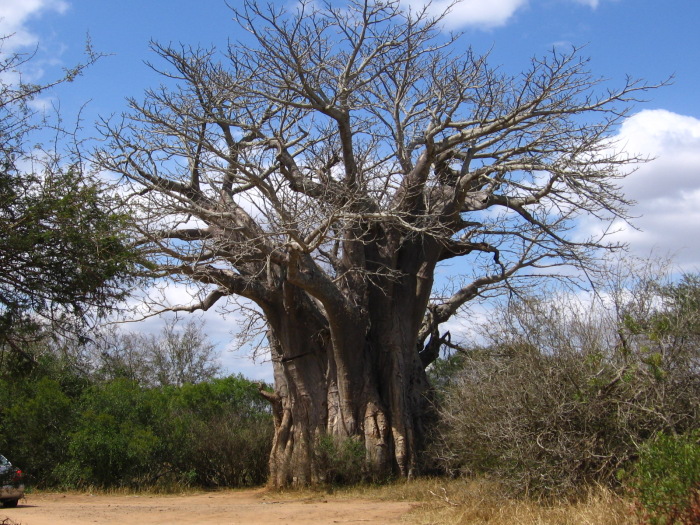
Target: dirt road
column 256, row 507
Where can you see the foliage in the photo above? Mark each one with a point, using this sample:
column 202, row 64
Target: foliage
column 63, row 250
column 563, row 393
column 212, row 434
column 342, row 461
column 666, row 479
column 221, row 432
column 67, row 426
column 443, row 372
column 39, row 389
column 114, row 442
column 34, row 427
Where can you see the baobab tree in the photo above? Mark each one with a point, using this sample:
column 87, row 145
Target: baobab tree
column 326, row 166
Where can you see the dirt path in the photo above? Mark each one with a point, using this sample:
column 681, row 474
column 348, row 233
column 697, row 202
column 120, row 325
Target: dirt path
column 232, row 507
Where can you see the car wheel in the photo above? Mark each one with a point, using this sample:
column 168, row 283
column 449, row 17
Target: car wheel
column 10, row 503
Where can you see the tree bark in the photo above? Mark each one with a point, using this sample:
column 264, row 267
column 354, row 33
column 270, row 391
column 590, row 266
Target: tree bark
column 353, row 377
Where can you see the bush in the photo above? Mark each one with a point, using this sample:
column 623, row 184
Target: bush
column 562, row 392
column 220, row 433
column 341, row 460
column 540, row 423
column 666, row 479
column 33, row 428
column 213, row 434
column 66, row 427
column 38, row 392
column 115, row 442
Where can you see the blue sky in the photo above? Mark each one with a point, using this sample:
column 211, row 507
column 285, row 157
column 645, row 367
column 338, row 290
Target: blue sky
column 649, row 39
column 643, row 38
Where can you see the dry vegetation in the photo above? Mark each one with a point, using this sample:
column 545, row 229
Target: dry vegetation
column 456, row 502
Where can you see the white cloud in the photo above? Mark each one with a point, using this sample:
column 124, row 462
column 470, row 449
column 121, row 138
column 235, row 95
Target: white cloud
column 591, row 3
column 480, row 14
column 15, row 15
column 485, row 14
column 667, row 189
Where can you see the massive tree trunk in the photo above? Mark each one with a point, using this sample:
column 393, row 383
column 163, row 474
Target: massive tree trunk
column 381, row 409
column 351, row 375
column 299, row 342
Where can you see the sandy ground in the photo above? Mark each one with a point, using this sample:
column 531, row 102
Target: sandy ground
column 230, row 507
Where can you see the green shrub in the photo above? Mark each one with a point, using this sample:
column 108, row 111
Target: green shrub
column 115, row 442
column 341, row 460
column 213, row 434
column 219, row 433
column 666, row 479
column 35, row 416
column 228, row 451
column 65, row 428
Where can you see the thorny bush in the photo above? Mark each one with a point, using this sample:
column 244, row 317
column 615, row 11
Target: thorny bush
column 562, row 392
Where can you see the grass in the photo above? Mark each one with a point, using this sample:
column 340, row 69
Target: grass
column 459, row 502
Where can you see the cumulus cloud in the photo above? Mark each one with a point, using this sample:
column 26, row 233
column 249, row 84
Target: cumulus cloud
column 474, row 13
column 15, row 15
column 666, row 189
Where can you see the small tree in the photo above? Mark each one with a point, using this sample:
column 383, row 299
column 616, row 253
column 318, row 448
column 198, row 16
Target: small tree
column 175, row 356
column 326, row 167
column 181, row 356
column 63, row 251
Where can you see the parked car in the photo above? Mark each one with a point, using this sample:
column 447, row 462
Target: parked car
column 11, row 485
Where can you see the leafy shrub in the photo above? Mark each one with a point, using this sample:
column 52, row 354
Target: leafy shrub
column 220, row 433
column 213, row 434
column 115, row 442
column 34, row 422
column 666, row 479
column 71, row 426
column 228, row 451
column 341, row 460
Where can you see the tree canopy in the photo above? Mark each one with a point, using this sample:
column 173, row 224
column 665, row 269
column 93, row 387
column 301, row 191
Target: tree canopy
column 63, row 250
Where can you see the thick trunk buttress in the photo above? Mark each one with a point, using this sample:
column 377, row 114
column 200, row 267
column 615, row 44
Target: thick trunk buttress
column 381, row 412
column 341, row 379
